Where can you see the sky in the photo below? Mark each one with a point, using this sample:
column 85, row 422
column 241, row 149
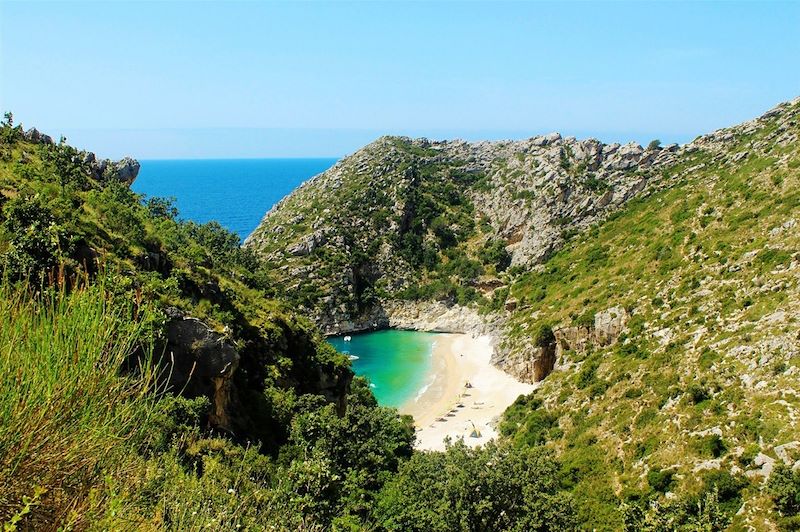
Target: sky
column 306, row 79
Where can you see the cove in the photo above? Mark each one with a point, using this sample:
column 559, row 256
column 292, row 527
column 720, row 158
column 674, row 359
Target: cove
column 397, row 363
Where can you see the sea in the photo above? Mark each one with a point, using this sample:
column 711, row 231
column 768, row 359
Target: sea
column 237, row 193
column 234, row 192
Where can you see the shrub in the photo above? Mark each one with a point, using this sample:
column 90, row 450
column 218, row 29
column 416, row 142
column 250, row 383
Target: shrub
column 489, row 488
column 698, row 393
column 711, row 445
column 586, row 376
column 660, row 479
column 585, row 320
column 784, row 488
column 543, row 335
column 35, row 240
column 494, row 253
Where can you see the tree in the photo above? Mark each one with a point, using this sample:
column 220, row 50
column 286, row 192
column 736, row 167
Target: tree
column 495, row 487
column 654, row 145
column 358, row 452
column 494, row 252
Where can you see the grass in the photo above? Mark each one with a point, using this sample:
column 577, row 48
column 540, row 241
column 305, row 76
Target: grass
column 66, row 413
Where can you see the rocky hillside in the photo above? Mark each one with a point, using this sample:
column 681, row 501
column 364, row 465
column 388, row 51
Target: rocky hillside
column 655, row 291
column 411, row 219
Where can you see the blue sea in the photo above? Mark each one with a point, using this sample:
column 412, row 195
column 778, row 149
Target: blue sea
column 234, row 192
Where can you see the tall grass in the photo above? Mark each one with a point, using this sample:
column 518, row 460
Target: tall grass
column 67, row 413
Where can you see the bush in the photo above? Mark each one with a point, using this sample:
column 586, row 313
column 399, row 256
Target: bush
column 660, row 480
column 588, row 373
column 698, row 393
column 784, row 488
column 543, row 335
column 585, row 320
column 712, row 446
column 494, row 253
column 654, row 144
column 35, row 241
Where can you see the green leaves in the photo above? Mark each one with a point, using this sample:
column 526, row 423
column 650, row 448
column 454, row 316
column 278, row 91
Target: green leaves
column 490, row 488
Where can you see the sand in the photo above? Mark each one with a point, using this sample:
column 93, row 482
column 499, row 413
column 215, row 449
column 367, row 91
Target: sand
column 458, row 359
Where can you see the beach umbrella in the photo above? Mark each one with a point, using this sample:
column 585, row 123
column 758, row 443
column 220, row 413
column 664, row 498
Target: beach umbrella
column 475, row 432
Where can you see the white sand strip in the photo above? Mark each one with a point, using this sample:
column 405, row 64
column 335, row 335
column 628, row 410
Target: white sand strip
column 458, row 359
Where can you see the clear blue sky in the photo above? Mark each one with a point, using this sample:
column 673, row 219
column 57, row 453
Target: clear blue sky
column 171, row 80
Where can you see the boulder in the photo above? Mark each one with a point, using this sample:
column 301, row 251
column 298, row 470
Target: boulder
column 609, row 324
column 197, row 361
column 126, row 170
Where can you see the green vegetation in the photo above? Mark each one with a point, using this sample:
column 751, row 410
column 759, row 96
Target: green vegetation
column 703, row 265
column 65, row 408
column 491, row 488
column 90, row 437
column 665, row 429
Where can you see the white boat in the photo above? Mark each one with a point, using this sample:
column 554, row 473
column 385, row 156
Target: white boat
column 347, row 338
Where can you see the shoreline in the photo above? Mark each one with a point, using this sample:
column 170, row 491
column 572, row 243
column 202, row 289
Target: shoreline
column 445, row 407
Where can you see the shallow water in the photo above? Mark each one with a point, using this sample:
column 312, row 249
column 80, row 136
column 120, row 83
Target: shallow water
column 397, row 363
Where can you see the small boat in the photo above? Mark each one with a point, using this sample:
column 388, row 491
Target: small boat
column 348, row 338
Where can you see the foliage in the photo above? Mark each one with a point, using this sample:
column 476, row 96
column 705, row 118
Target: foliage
column 494, row 252
column 784, row 488
column 65, row 408
column 543, row 335
column 494, row 487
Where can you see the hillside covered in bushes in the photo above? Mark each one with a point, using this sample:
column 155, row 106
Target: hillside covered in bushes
column 153, row 380
column 655, row 290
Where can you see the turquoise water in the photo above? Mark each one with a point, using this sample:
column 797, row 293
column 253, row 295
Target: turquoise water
column 234, row 192
column 396, row 362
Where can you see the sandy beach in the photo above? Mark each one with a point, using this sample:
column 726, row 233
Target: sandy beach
column 447, row 407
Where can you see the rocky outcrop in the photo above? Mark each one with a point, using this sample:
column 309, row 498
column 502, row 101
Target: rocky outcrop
column 124, row 170
column 608, row 325
column 197, row 361
column 33, row 135
column 532, row 363
column 348, row 231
